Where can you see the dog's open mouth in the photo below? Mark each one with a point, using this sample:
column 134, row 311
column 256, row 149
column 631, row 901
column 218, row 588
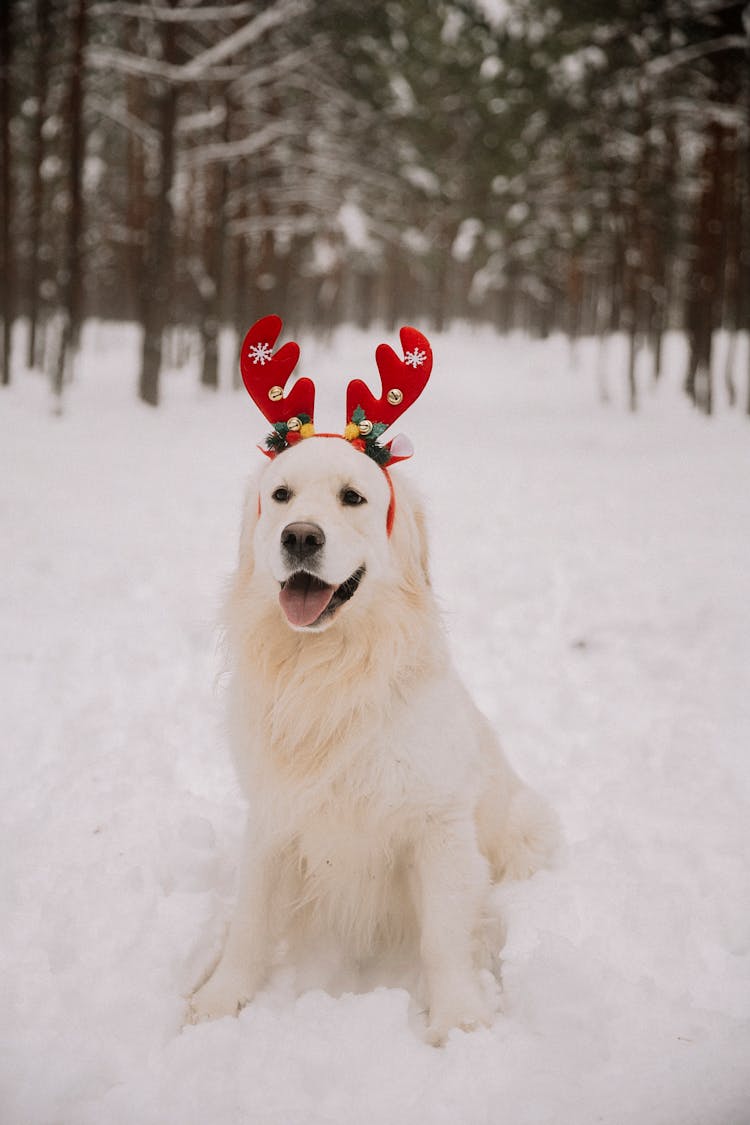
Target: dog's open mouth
column 306, row 599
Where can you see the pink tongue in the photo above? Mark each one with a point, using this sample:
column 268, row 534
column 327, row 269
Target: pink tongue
column 304, row 598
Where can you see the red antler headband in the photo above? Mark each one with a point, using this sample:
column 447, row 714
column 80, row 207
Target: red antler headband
column 265, row 375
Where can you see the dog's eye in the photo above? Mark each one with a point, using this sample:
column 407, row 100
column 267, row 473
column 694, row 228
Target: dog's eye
column 281, row 495
column 352, row 498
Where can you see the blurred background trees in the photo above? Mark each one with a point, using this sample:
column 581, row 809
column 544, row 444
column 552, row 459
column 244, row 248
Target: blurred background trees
column 570, row 165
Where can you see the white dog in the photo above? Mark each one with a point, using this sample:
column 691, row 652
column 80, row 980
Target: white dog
column 381, row 806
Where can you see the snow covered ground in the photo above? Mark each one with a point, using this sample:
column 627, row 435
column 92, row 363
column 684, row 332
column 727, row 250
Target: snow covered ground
column 595, row 573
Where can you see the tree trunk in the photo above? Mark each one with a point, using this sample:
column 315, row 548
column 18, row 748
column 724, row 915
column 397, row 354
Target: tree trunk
column 71, row 276
column 440, row 296
column 216, row 239
column 395, row 296
column 732, row 255
column 136, row 203
column 240, row 311
column 729, row 383
column 744, row 187
column 632, row 356
column 701, row 308
column 158, row 250
column 630, row 314
column 7, row 266
column 574, row 297
column 41, row 64
column 262, row 270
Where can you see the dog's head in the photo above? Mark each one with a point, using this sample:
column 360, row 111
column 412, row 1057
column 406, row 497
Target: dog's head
column 318, row 539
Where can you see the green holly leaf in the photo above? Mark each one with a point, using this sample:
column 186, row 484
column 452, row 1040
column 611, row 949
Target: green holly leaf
column 275, row 441
column 378, row 453
column 358, row 415
column 378, row 429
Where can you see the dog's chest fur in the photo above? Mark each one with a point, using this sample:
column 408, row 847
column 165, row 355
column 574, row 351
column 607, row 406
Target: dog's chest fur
column 353, row 877
column 354, row 826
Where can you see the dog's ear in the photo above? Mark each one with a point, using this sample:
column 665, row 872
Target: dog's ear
column 409, row 535
column 420, row 520
column 250, row 513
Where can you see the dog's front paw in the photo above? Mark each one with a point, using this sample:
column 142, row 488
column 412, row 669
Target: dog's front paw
column 218, row 997
column 466, row 1013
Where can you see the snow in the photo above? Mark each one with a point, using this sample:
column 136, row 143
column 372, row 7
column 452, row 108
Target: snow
column 593, row 570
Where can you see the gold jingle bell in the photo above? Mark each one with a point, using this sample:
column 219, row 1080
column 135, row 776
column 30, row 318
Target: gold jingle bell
column 276, row 394
column 395, row 396
column 294, row 424
column 365, row 427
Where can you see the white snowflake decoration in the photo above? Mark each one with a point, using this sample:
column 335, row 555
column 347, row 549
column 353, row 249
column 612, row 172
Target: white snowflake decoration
column 261, row 353
column 415, row 358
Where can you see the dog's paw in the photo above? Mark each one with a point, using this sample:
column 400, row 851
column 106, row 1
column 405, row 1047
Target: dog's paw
column 465, row 1013
column 215, row 999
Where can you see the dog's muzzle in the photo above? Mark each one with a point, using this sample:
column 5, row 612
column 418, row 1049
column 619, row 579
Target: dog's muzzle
column 307, row 600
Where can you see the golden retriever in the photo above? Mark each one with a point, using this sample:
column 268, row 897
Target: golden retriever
column 382, row 808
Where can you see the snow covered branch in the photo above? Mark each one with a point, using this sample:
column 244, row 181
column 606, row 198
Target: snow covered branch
column 701, row 110
column 115, row 112
column 206, row 64
column 282, row 11
column 260, row 75
column 246, row 146
column 285, row 223
column 697, row 8
column 173, row 15
column 205, row 119
column 112, row 58
column 696, row 51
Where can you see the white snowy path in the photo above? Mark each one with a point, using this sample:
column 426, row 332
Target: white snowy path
column 595, row 574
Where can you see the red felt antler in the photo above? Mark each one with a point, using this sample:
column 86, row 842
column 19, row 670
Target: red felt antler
column 265, row 375
column 403, row 380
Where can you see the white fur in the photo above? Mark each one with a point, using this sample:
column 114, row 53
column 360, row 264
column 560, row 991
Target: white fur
column 381, row 806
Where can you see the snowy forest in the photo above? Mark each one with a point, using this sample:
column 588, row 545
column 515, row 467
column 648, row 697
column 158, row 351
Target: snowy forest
column 575, row 166
column 557, row 194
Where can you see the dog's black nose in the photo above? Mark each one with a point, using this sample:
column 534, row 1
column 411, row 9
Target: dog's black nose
column 302, row 540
